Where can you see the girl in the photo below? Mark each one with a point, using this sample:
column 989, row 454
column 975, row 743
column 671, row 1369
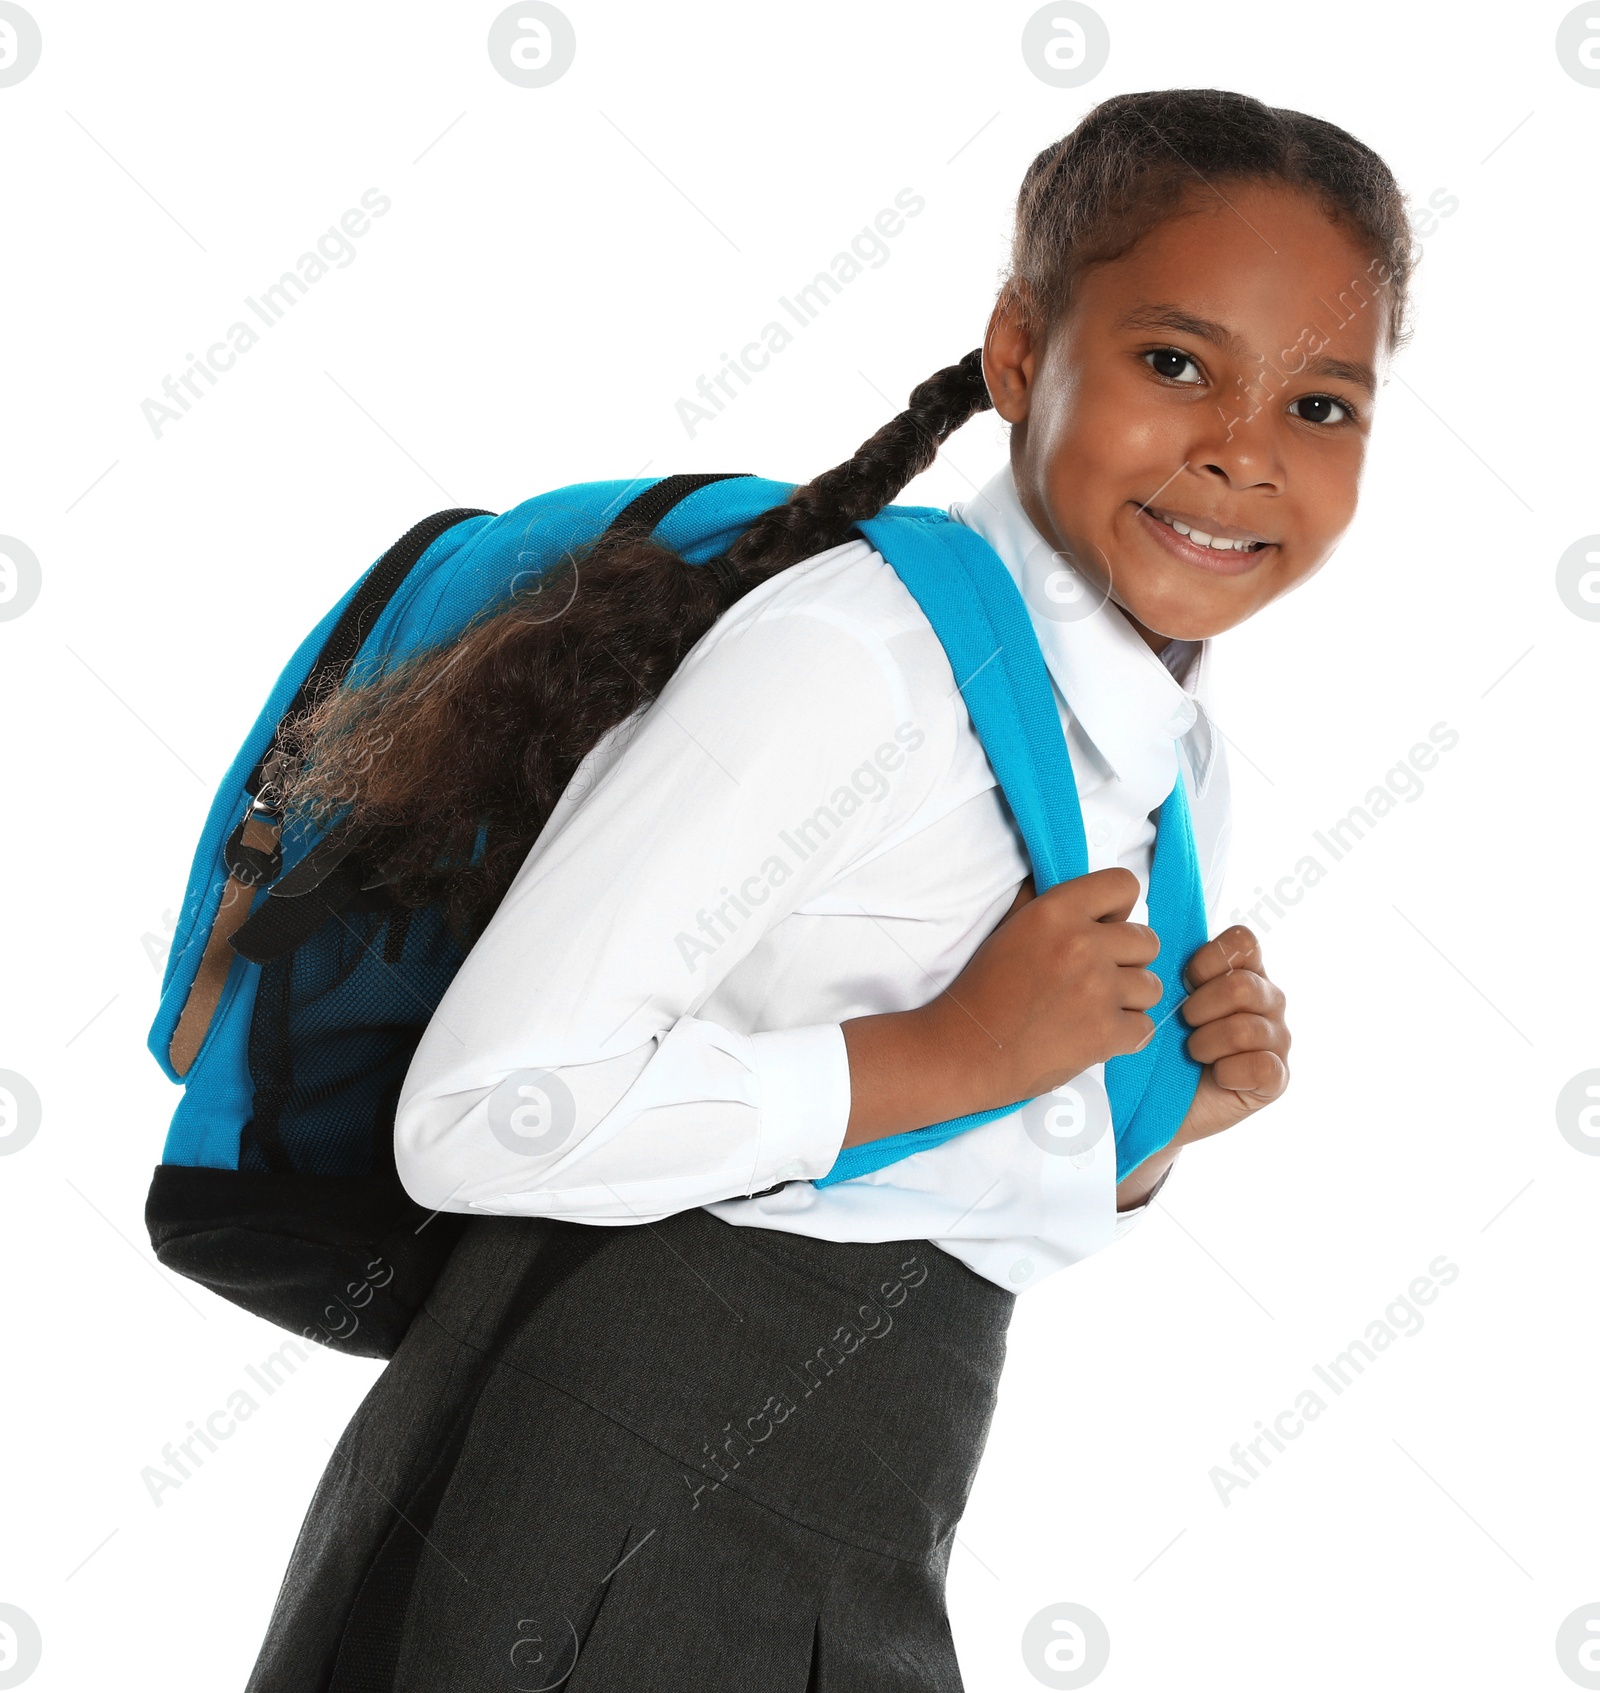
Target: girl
column 746, row 894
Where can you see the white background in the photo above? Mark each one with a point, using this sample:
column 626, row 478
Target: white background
column 558, row 267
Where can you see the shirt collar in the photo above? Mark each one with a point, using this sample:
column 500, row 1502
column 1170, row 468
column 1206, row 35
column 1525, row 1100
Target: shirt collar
column 1129, row 703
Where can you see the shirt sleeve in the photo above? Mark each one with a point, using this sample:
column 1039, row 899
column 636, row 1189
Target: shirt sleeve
column 566, row 1072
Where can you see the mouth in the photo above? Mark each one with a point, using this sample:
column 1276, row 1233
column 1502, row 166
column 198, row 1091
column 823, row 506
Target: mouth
column 1220, row 548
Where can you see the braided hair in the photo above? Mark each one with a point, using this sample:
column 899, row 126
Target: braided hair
column 450, row 763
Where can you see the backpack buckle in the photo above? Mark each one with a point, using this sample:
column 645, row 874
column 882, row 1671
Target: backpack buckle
column 256, row 861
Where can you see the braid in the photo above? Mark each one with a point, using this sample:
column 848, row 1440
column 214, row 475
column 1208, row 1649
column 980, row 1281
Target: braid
column 452, row 761
column 823, row 512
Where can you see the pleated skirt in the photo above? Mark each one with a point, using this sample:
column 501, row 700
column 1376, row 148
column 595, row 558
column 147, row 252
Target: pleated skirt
column 683, row 1455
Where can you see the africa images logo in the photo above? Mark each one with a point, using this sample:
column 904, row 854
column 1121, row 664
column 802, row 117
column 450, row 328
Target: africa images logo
column 20, row 44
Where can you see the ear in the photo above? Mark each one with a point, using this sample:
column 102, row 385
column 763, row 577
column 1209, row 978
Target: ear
column 1010, row 354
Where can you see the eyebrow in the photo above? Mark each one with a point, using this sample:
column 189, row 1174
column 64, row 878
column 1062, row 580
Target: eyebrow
column 1344, row 370
column 1219, row 335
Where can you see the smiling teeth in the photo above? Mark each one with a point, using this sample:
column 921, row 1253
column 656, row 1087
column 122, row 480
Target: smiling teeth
column 1215, row 542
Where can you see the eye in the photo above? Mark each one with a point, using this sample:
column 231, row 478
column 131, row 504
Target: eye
column 1170, row 362
column 1321, row 408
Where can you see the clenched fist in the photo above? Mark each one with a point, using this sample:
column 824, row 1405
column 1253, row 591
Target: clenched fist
column 1241, row 1039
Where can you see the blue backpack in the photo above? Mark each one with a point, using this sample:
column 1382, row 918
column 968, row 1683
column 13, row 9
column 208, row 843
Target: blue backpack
column 294, row 994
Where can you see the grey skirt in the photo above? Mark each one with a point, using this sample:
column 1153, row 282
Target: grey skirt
column 683, row 1455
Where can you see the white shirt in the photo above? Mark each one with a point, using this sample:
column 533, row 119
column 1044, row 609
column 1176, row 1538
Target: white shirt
column 802, row 829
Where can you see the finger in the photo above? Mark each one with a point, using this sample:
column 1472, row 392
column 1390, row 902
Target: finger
column 1260, row 1075
column 1132, row 943
column 1239, row 990
column 1101, row 894
column 1131, row 1030
column 1234, row 949
column 1140, row 990
column 1244, row 1031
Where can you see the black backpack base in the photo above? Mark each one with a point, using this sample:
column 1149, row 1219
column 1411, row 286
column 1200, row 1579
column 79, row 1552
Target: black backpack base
column 345, row 1261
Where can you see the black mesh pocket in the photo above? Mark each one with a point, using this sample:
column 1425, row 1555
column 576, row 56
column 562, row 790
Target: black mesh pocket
column 335, row 1024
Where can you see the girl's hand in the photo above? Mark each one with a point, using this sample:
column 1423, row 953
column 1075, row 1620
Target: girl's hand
column 1061, row 984
column 1239, row 1034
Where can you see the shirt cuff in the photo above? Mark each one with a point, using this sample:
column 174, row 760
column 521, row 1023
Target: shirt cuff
column 803, row 1077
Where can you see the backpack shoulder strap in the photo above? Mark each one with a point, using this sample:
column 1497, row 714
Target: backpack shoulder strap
column 976, row 610
column 978, row 613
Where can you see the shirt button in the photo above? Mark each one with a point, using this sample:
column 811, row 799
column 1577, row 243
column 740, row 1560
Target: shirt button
column 1100, row 833
column 789, row 1171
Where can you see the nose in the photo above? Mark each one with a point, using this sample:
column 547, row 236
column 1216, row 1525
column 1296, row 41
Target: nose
column 1241, row 449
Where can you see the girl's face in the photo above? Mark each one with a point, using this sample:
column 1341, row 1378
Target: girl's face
column 1219, row 375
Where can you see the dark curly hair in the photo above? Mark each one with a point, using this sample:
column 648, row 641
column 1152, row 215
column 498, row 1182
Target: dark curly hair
column 450, row 762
